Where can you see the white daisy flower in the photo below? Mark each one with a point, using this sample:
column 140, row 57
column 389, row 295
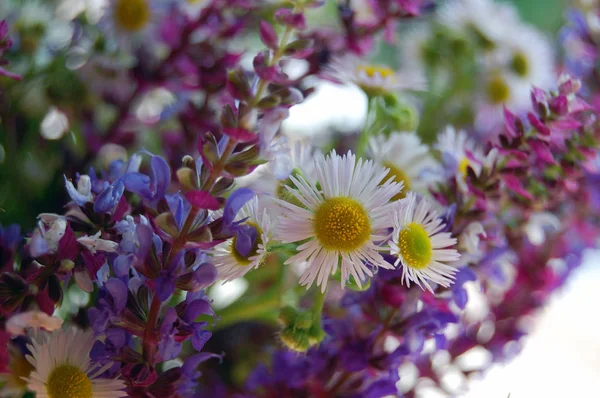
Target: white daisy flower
column 128, row 20
column 523, row 59
column 62, row 369
column 407, row 159
column 248, row 249
column 344, row 216
column 485, row 19
column 420, row 246
column 374, row 79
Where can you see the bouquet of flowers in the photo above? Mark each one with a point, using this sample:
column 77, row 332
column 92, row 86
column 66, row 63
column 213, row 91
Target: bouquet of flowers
column 197, row 247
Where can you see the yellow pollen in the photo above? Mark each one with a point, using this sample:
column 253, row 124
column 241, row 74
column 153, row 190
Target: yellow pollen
column 415, row 246
column 520, row 64
column 372, row 70
column 68, row 381
column 132, row 15
column 462, row 166
column 342, row 224
column 399, row 175
column 244, row 261
column 498, row 90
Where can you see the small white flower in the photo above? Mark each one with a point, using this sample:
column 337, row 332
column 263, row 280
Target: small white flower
column 83, row 193
column 486, row 19
column 17, row 324
column 247, row 250
column 46, row 237
column 539, row 225
column 469, row 239
column 420, row 247
column 374, row 79
column 407, row 158
column 340, row 223
column 132, row 20
column 95, row 243
column 62, row 369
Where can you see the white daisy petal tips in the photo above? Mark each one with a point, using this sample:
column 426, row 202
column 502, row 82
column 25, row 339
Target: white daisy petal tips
column 344, row 216
column 420, row 247
column 248, row 249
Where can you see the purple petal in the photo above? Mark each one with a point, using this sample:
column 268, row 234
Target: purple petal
column 164, row 287
column 122, row 265
column 118, row 291
column 191, row 363
column 460, row 298
column 205, row 275
column 109, row 198
column 200, row 338
column 161, row 175
column 196, row 308
column 245, row 240
column 138, row 183
column 236, row 200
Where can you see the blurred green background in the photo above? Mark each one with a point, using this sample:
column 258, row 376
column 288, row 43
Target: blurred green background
column 546, row 14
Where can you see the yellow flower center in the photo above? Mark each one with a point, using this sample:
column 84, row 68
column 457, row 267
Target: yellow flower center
column 240, row 258
column 462, row 166
column 342, row 224
column 68, row 381
column 498, row 90
column 399, row 175
column 372, row 70
column 520, row 64
column 415, row 246
column 132, row 15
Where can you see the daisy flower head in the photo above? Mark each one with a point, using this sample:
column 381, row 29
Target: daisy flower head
column 129, row 20
column 341, row 218
column 248, row 249
column 524, row 59
column 419, row 245
column 407, row 159
column 374, row 79
column 485, row 20
column 529, row 57
column 62, row 367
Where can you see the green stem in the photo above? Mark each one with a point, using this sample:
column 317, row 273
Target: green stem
column 318, row 304
column 264, row 307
